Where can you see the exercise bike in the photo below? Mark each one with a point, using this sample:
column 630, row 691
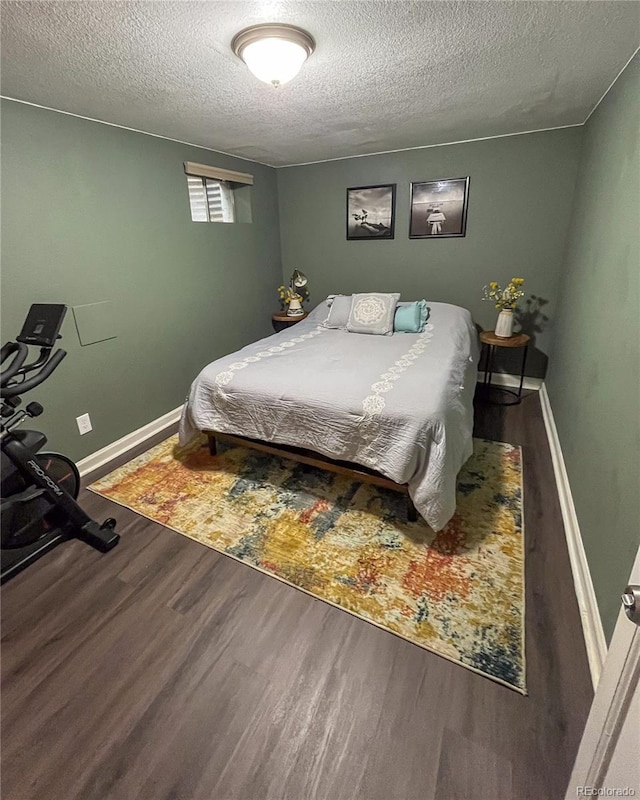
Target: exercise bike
column 38, row 490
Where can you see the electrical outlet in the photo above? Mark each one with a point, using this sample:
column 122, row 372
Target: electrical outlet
column 84, row 424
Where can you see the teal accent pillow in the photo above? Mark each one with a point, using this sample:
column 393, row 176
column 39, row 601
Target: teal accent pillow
column 411, row 317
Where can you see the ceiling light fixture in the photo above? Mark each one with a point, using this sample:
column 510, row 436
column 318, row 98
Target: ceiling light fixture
column 273, row 52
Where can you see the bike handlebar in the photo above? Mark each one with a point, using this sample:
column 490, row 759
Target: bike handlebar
column 25, row 386
column 21, row 352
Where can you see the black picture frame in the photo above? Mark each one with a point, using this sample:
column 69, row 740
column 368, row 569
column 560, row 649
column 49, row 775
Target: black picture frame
column 439, row 208
column 371, row 212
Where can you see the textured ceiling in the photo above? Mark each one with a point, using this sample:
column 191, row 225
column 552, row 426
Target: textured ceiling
column 385, row 75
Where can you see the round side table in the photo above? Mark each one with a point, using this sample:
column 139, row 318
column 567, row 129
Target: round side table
column 491, row 341
column 281, row 320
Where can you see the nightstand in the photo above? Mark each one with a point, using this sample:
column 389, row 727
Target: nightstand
column 492, row 341
column 280, row 320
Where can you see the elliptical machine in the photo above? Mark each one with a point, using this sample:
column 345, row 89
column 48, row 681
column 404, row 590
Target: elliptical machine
column 38, row 490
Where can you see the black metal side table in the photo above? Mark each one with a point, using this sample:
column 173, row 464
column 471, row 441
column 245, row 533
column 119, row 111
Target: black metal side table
column 491, row 341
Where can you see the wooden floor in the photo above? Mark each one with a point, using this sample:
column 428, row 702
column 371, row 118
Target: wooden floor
column 165, row 671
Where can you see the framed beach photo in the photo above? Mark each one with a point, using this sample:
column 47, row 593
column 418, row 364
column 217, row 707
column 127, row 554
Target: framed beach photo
column 439, row 208
column 371, row 212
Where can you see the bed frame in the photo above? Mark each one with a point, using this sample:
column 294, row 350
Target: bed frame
column 313, row 459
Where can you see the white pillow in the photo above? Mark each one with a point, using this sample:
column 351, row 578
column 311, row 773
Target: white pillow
column 372, row 313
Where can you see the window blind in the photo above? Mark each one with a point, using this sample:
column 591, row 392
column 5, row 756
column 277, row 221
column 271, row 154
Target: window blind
column 214, row 201
column 211, row 201
column 197, row 199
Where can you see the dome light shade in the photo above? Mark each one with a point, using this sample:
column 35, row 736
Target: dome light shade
column 274, row 61
column 273, row 53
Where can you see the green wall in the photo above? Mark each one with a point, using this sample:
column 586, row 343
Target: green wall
column 91, row 213
column 594, row 374
column 519, row 209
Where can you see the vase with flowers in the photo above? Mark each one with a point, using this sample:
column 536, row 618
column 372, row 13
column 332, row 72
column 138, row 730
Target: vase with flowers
column 506, row 300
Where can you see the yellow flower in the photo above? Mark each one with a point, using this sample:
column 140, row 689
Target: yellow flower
column 493, row 284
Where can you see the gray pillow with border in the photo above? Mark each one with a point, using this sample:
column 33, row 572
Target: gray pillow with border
column 372, row 313
column 339, row 312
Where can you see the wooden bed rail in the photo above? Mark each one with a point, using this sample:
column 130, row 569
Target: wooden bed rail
column 354, row 471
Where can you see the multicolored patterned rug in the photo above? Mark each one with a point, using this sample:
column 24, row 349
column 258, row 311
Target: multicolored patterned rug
column 458, row 593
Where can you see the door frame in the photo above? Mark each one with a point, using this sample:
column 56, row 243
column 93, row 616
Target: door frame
column 619, row 681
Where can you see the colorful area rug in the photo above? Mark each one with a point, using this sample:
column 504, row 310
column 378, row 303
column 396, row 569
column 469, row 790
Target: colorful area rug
column 458, row 593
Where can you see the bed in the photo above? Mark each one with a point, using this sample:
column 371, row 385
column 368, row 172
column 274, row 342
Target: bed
column 400, row 406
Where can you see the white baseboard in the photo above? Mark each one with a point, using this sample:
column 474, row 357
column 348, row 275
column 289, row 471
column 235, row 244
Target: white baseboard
column 592, row 629
column 505, row 379
column 115, row 449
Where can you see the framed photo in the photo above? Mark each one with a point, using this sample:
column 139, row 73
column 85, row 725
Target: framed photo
column 439, row 208
column 371, row 212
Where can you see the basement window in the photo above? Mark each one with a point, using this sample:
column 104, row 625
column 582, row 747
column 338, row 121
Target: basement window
column 218, row 195
column 211, row 201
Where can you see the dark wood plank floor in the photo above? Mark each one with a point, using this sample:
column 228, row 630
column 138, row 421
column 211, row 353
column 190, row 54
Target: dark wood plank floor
column 165, row 671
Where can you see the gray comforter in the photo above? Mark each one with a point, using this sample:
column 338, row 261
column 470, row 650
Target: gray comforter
column 399, row 404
